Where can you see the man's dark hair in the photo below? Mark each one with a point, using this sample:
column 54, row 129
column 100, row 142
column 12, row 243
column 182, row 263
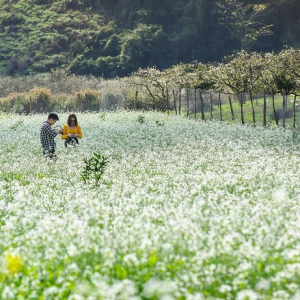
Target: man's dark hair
column 53, row 116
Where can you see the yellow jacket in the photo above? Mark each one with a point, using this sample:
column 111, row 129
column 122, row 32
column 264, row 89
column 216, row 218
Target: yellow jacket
column 67, row 130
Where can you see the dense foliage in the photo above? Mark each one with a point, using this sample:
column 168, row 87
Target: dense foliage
column 109, row 38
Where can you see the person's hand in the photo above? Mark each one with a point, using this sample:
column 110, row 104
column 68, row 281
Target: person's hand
column 61, row 131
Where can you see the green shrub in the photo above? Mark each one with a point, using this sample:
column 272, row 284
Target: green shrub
column 14, row 103
column 40, row 99
column 94, row 168
column 141, row 119
column 89, row 100
column 65, row 102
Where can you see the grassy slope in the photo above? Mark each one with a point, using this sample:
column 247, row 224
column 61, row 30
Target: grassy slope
column 258, row 107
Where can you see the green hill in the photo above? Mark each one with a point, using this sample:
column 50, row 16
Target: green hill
column 116, row 37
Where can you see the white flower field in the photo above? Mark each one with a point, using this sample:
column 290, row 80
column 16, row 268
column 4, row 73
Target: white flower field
column 185, row 210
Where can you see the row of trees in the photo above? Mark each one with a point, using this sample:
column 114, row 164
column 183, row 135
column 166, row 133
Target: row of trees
column 245, row 73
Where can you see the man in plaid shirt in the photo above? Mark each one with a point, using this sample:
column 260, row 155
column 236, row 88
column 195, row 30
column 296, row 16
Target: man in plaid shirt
column 47, row 135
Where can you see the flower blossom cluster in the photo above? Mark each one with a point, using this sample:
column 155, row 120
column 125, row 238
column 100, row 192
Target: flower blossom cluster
column 186, row 210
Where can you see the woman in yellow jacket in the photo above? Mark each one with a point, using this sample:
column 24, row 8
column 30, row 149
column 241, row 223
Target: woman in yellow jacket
column 72, row 131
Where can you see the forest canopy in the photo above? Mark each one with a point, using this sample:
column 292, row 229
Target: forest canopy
column 117, row 37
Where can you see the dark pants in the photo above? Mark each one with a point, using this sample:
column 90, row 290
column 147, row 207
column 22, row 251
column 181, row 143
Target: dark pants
column 71, row 141
column 49, row 153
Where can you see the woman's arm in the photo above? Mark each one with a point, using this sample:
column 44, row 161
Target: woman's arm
column 65, row 134
column 79, row 131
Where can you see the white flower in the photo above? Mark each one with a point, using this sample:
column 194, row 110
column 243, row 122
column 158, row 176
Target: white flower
column 155, row 287
column 280, row 195
column 50, row 291
column 196, row 296
column 72, row 250
column 167, row 297
column 296, row 296
column 247, row 295
column 281, row 295
column 263, row 284
column 224, row 288
column 75, row 297
column 7, row 293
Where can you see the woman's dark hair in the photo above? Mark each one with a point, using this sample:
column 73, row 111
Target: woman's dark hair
column 72, row 116
column 53, row 116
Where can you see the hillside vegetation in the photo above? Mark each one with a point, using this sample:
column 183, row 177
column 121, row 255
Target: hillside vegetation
column 114, row 38
column 192, row 89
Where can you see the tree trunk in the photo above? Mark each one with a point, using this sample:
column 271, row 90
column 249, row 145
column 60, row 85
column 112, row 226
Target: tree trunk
column 283, row 109
column 179, row 107
column 294, row 109
column 174, row 98
column 187, row 103
column 265, row 111
column 202, row 108
column 30, row 109
column 167, row 100
column 242, row 113
column 211, row 106
column 274, row 110
column 231, row 108
column 195, row 103
column 135, row 100
column 220, row 105
column 252, row 106
column 78, row 102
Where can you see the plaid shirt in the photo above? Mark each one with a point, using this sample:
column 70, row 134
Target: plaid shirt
column 47, row 135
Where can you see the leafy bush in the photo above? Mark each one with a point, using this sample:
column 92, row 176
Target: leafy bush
column 89, row 100
column 41, row 100
column 94, row 168
column 36, row 100
column 14, row 103
column 65, row 102
column 141, row 119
